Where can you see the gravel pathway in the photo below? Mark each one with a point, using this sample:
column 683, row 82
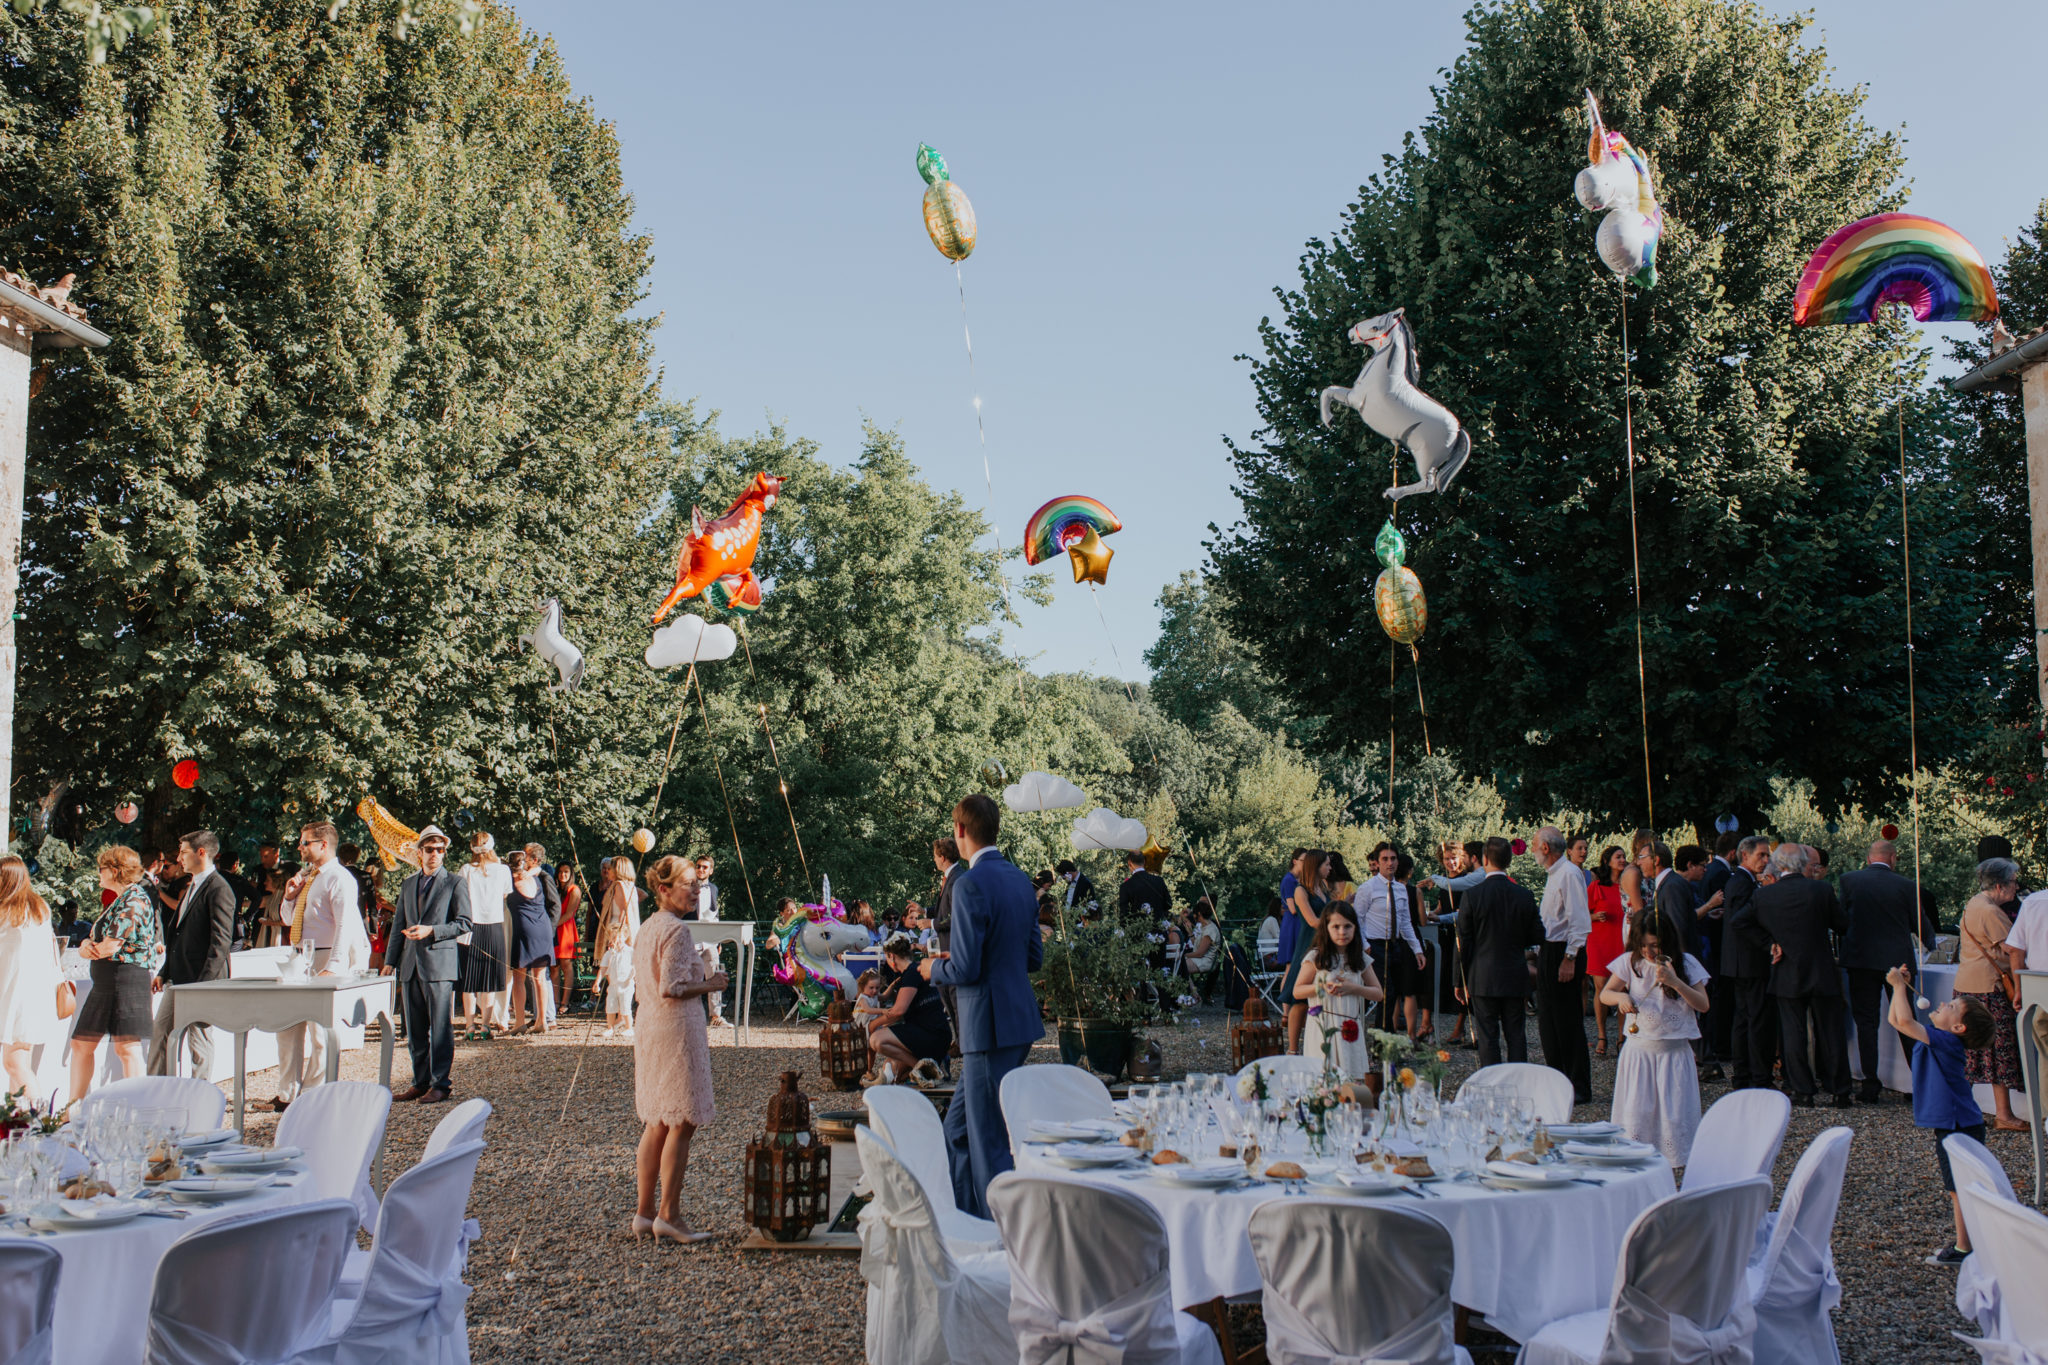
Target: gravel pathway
column 557, row 1279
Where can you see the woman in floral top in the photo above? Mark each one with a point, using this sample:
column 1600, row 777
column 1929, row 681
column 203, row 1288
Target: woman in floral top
column 123, row 951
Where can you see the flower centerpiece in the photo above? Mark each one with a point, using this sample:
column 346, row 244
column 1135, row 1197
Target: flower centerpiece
column 1099, row 985
column 19, row 1113
column 1392, row 1051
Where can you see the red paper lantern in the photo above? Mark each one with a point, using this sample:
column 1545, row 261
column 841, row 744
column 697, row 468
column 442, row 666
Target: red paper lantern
column 186, row 774
column 1890, row 831
column 126, row 812
column 1520, row 847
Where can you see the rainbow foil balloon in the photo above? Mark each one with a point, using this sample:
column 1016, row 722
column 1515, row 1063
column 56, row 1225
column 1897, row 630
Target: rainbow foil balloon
column 948, row 217
column 1397, row 597
column 1075, row 524
column 1895, row 258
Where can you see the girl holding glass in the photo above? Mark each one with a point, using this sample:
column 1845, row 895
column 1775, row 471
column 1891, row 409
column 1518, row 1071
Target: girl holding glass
column 1335, row 982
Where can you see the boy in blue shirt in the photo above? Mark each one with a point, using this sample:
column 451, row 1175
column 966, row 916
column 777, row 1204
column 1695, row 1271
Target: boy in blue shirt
column 1942, row 1097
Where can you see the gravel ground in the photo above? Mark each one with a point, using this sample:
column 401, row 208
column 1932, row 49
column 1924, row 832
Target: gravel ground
column 557, row 1279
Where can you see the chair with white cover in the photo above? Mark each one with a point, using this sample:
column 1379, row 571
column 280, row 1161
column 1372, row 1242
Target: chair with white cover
column 1550, row 1088
column 1794, row 1286
column 1977, row 1296
column 1089, row 1279
column 1313, row 1254
column 1050, row 1092
column 28, row 1301
column 1738, row 1138
column 340, row 1126
column 410, row 1305
column 1283, row 1064
column 905, row 1119
column 1680, row 1288
column 2012, row 1239
column 464, row 1123
column 201, row 1102
column 282, row 1265
column 925, row 1306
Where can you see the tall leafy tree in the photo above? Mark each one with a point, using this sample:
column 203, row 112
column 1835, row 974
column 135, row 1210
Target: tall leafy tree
column 374, row 392
column 1766, row 493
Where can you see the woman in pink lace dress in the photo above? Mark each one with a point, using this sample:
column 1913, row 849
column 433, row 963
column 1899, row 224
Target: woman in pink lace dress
column 672, row 1054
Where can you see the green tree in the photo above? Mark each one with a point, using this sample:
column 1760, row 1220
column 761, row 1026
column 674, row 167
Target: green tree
column 374, row 392
column 1199, row 663
column 1766, row 489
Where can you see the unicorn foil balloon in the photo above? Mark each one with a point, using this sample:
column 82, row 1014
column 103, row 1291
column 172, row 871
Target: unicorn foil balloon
column 1617, row 181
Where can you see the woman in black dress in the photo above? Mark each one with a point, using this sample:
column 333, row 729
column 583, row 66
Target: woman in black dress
column 912, row 1027
column 533, row 941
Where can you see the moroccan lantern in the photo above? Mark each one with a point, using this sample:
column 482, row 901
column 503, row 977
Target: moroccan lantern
column 789, row 1171
column 842, row 1047
column 1254, row 1036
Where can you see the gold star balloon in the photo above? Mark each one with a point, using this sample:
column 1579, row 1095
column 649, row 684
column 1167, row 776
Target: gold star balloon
column 1154, row 853
column 1091, row 558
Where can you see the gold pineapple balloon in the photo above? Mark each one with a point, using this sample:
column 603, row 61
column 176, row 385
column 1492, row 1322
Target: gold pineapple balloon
column 948, row 217
column 1397, row 597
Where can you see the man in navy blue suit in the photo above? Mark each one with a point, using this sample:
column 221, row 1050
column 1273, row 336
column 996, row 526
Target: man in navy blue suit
column 995, row 946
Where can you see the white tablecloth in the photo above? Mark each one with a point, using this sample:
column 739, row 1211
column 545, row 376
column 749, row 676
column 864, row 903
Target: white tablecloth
column 1524, row 1257
column 1937, row 983
column 103, row 1294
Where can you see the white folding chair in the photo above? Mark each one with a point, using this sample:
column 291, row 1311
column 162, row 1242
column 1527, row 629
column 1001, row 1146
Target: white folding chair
column 250, row 1290
column 410, row 1304
column 28, row 1301
column 1314, row 1254
column 465, row 1123
column 201, row 1102
column 1680, row 1291
column 340, row 1125
column 1977, row 1296
column 905, row 1119
column 1050, row 1092
column 1794, row 1287
column 925, row 1306
column 1550, row 1088
column 2013, row 1240
column 1089, row 1273
column 1285, row 1064
column 1738, row 1138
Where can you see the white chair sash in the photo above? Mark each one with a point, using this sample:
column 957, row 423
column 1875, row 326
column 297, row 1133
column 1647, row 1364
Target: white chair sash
column 903, row 1261
column 1044, row 1337
column 1641, row 1329
column 1291, row 1339
column 1996, row 1352
column 171, row 1342
column 1804, row 1272
column 39, row 1349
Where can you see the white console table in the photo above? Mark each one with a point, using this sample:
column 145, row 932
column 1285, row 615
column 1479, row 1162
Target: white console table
column 740, row 934
column 2033, row 1002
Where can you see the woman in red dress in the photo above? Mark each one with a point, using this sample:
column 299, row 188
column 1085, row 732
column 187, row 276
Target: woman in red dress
column 566, row 937
column 1604, row 943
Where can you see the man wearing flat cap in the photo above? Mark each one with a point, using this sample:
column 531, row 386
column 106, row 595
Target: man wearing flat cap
column 433, row 911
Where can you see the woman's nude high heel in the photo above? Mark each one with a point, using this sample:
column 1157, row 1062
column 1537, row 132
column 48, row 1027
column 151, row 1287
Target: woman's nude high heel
column 665, row 1231
column 641, row 1226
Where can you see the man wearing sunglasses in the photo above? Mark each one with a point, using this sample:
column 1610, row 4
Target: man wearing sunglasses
column 433, row 911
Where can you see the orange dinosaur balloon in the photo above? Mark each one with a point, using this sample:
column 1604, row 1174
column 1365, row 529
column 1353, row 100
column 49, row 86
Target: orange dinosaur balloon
column 722, row 551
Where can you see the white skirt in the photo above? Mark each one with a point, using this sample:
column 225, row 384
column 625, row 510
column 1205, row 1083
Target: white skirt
column 1657, row 1094
column 28, row 983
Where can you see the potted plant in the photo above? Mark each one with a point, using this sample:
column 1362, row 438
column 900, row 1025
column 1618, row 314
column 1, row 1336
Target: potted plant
column 1099, row 987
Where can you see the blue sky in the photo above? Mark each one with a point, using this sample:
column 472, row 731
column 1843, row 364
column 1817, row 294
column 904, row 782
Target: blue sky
column 1144, row 175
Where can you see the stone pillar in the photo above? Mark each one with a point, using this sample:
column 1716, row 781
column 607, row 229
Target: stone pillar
column 15, row 344
column 2034, row 398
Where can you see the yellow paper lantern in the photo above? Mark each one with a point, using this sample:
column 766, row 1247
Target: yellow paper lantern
column 643, row 840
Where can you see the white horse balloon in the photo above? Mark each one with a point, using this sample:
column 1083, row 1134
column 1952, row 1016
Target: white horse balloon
column 554, row 647
column 1385, row 396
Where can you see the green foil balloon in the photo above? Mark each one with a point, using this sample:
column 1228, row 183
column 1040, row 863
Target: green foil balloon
column 1397, row 596
column 930, row 164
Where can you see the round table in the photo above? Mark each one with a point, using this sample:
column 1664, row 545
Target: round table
column 1524, row 1257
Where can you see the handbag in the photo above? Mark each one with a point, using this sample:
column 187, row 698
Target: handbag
column 2007, row 982
column 67, row 999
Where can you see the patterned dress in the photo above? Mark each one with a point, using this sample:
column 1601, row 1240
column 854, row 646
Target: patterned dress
column 672, row 1051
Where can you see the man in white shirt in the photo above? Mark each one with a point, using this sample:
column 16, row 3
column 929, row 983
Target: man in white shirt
column 320, row 907
column 2026, row 943
column 1561, row 971
column 707, row 910
column 1384, row 910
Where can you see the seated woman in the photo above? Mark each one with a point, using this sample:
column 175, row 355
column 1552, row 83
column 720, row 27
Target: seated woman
column 912, row 1026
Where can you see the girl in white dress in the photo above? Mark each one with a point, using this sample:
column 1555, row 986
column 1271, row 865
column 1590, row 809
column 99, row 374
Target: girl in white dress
column 1338, row 977
column 615, row 970
column 1656, row 1084
column 29, row 974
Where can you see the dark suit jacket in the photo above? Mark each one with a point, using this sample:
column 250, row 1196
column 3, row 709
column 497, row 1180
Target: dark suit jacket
column 1796, row 913
column 1678, row 903
column 1740, row 958
column 200, row 940
column 942, row 905
column 996, row 946
column 1144, row 888
column 446, row 910
column 1879, row 904
column 1497, row 920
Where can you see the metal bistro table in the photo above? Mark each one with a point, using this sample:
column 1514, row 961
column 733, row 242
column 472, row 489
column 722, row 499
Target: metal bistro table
column 246, row 1006
column 740, row 934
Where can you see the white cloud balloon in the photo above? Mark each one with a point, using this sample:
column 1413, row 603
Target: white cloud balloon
column 1043, row 791
column 1103, row 828
column 690, row 638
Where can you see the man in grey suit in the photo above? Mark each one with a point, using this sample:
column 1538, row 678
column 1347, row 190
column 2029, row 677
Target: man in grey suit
column 433, row 911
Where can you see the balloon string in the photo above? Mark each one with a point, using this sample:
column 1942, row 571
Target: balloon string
column 712, row 747
column 669, row 761
column 1912, row 710
column 781, row 778
column 988, row 482
column 1436, row 804
column 1393, row 517
column 1635, row 549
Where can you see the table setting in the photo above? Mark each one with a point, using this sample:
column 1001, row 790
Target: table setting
column 1536, row 1213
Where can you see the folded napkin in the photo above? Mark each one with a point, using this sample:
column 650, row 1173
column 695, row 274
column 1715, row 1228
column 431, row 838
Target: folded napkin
column 1516, row 1170
column 1360, row 1180
column 99, row 1206
column 1609, row 1149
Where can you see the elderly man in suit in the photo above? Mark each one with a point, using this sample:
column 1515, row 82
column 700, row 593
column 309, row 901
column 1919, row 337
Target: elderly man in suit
column 1753, row 1014
column 1790, row 920
column 995, row 946
column 433, row 911
column 201, row 935
column 1882, row 925
column 1497, row 925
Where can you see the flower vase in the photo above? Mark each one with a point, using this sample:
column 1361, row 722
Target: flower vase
column 1394, row 1100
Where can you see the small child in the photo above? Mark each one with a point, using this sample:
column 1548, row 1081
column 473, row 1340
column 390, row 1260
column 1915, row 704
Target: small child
column 615, row 968
column 1656, row 1080
column 1942, row 1096
column 869, row 989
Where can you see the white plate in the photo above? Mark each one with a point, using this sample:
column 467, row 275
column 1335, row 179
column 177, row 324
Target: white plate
column 217, row 1190
column 111, row 1213
column 215, row 1138
column 1529, row 1175
column 250, row 1163
column 1600, row 1130
column 1363, row 1183
column 1610, row 1153
column 1080, row 1130
column 1201, row 1174
column 1082, row 1155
